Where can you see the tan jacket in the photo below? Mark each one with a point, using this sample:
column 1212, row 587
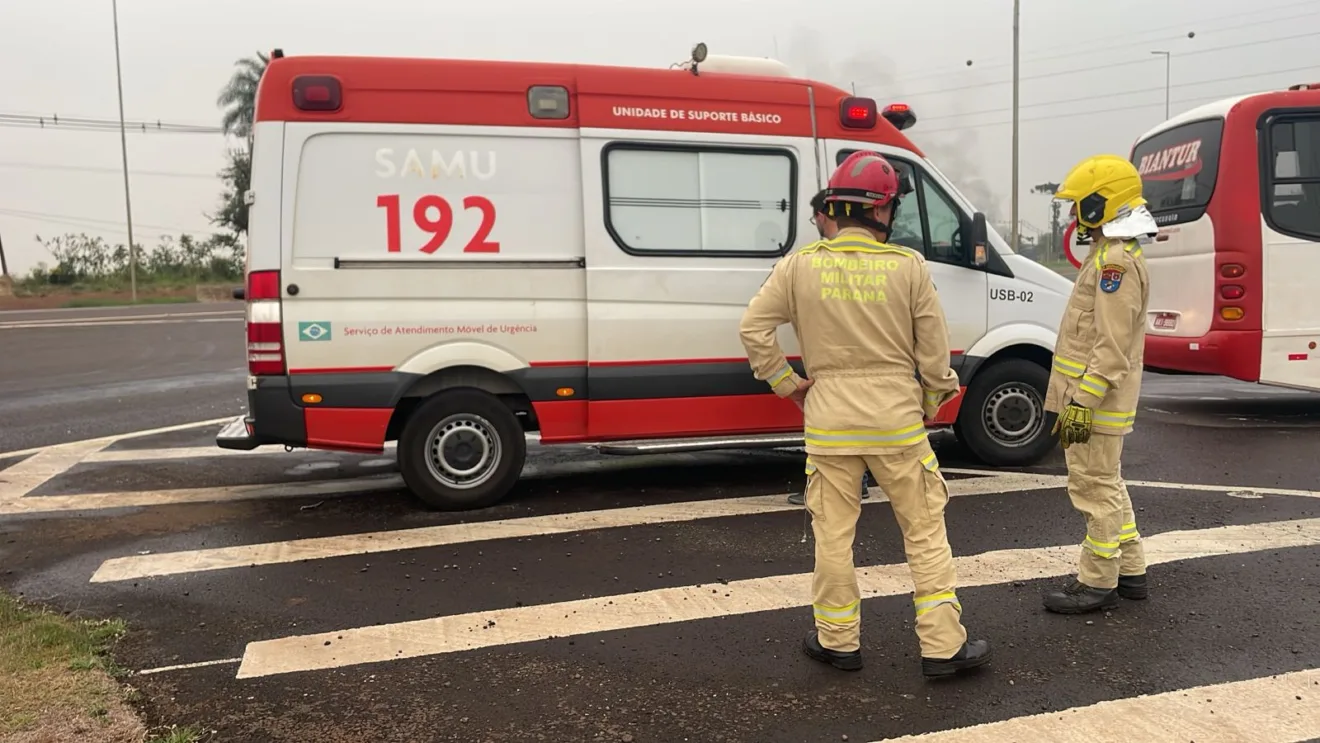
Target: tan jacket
column 1102, row 339
column 869, row 324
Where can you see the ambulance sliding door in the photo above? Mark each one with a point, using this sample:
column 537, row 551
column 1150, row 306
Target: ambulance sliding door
column 680, row 234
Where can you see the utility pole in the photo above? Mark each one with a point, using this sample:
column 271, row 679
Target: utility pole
column 123, row 147
column 1168, row 61
column 1017, row 8
column 4, row 265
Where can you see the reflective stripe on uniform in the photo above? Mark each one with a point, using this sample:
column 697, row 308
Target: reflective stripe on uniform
column 930, row 462
column 781, row 375
column 838, row 614
column 1113, row 419
column 1128, row 533
column 933, row 397
column 1095, row 385
column 847, row 439
column 859, row 244
column 811, row 467
column 1107, row 550
column 1068, row 368
column 1133, row 248
column 925, row 604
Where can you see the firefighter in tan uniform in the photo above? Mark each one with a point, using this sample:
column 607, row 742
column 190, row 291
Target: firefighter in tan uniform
column 869, row 323
column 827, row 229
column 1096, row 379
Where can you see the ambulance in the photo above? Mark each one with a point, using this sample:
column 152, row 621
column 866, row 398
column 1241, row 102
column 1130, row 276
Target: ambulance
column 460, row 256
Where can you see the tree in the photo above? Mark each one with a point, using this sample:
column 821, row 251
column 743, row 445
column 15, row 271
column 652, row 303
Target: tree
column 238, row 100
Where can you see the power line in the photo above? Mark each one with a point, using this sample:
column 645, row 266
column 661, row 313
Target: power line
column 75, row 221
column 1092, row 98
column 1179, row 27
column 1093, row 112
column 109, row 171
column 1114, row 65
column 92, row 124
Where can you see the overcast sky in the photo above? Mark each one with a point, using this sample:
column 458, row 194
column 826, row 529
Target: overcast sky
column 57, row 57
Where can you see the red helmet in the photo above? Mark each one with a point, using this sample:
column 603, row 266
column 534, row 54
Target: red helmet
column 866, row 178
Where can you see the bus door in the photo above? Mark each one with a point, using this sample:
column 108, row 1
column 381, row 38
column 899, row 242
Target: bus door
column 1290, row 208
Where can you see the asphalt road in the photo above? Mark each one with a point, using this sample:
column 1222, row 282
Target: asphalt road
column 78, row 374
column 305, row 596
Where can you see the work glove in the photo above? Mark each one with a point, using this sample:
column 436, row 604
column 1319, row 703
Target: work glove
column 1073, row 425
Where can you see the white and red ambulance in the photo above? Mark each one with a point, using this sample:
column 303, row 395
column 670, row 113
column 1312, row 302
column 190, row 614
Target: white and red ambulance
column 455, row 254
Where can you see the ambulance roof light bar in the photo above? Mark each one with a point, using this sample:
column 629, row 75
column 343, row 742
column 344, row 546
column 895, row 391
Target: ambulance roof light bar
column 900, row 115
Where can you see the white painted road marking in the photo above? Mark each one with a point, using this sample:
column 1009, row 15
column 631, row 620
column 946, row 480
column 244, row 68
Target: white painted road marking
column 319, row 548
column 189, row 666
column 450, row 634
column 1278, row 709
column 27, row 326
column 98, row 501
column 107, row 440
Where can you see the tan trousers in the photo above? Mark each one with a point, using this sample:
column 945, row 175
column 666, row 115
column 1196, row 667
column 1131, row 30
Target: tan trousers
column 910, row 477
column 1112, row 546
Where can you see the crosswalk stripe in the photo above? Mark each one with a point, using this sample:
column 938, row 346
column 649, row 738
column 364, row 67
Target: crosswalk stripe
column 449, row 634
column 318, row 548
column 1279, row 709
column 98, row 501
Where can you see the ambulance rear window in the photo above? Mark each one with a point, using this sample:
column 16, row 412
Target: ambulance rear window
column 1178, row 170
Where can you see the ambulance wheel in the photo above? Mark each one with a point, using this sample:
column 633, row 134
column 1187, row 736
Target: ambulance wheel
column 1002, row 419
column 462, row 449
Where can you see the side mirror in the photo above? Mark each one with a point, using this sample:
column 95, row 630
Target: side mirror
column 980, row 240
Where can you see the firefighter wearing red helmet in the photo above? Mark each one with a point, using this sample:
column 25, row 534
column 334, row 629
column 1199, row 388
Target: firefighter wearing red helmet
column 875, row 345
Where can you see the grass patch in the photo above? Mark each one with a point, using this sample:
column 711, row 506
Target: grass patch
column 84, row 302
column 175, row 734
column 58, row 682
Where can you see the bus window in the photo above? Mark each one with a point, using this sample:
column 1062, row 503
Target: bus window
column 1178, row 170
column 1294, row 178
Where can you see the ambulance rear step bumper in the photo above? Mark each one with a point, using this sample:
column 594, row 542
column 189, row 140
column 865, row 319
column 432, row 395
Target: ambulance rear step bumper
column 237, row 435
column 667, row 446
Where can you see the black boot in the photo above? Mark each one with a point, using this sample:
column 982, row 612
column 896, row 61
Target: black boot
column 1080, row 598
column 973, row 653
column 844, row 661
column 1133, row 587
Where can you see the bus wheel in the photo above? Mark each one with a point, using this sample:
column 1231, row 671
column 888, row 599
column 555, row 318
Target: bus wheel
column 1002, row 420
column 462, row 449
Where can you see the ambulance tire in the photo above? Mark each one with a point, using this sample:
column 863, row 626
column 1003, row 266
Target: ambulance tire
column 457, row 433
column 1009, row 397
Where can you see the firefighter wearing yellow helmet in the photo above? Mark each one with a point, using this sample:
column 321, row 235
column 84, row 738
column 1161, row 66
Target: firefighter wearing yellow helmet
column 1096, row 379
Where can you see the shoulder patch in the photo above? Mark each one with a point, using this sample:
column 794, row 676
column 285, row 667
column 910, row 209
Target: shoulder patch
column 1111, row 277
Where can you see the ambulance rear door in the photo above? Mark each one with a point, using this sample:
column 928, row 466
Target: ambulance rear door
column 931, row 221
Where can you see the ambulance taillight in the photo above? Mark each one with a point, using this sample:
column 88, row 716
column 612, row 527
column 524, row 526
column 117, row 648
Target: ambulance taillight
column 317, row 93
column 900, row 115
column 857, row 113
column 265, row 333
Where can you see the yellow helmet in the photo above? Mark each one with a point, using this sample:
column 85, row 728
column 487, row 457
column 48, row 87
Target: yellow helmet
column 1103, row 188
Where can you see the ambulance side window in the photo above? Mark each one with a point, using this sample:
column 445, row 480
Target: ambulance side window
column 692, row 200
column 945, row 221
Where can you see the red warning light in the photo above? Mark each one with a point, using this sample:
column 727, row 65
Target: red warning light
column 857, row 113
column 900, row 115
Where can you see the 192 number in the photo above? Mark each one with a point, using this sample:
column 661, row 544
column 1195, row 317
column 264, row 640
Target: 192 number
column 439, row 226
